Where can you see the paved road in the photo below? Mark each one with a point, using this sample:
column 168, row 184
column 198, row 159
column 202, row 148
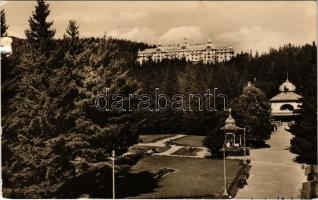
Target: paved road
column 274, row 173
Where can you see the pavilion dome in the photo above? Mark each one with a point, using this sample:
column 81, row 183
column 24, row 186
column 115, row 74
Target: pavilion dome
column 230, row 119
column 287, row 86
column 230, row 124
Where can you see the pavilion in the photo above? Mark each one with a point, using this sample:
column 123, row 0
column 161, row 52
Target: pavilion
column 232, row 136
column 287, row 104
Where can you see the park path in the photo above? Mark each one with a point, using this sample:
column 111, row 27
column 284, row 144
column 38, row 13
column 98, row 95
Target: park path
column 173, row 148
column 161, row 143
column 274, row 174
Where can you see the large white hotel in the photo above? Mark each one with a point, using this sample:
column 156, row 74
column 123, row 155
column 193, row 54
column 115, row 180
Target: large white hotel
column 206, row 53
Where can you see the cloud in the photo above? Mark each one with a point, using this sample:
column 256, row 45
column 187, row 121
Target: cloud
column 2, row 3
column 173, row 36
column 249, row 25
column 110, row 17
column 255, row 37
column 127, row 15
column 135, row 34
column 177, row 34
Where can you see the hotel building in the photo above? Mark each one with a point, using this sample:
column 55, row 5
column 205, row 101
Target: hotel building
column 206, row 53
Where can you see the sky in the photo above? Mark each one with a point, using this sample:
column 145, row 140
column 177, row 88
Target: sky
column 249, row 25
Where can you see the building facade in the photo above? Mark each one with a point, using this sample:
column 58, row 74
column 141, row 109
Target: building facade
column 206, row 53
column 5, row 46
column 286, row 104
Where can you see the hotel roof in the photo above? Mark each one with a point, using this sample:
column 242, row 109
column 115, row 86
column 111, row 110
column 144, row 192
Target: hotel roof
column 183, row 47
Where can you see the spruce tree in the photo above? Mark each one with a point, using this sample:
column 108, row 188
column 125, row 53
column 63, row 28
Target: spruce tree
column 36, row 131
column 72, row 31
column 40, row 34
column 4, row 26
column 305, row 129
column 305, row 141
column 72, row 41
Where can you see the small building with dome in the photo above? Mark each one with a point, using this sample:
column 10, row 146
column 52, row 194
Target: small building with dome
column 286, row 105
column 233, row 133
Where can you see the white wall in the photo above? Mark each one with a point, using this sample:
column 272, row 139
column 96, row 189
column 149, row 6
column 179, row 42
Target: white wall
column 276, row 108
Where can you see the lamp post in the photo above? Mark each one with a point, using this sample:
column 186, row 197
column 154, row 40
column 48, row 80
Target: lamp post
column 244, row 147
column 229, row 130
column 224, row 171
column 113, row 162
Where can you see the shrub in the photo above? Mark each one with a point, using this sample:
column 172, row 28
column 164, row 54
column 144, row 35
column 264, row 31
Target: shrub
column 236, row 151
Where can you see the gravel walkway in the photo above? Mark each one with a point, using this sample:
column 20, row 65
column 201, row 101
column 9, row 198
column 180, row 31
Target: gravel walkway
column 274, row 174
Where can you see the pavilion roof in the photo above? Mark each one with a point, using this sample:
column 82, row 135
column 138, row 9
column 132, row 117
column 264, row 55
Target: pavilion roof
column 231, row 127
column 286, row 96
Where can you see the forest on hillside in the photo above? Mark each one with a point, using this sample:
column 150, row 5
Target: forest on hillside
column 54, row 139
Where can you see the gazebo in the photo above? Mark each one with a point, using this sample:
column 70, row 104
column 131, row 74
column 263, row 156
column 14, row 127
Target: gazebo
column 231, row 130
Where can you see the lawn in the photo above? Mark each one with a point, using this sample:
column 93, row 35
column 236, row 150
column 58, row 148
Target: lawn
column 191, row 140
column 193, row 177
column 153, row 138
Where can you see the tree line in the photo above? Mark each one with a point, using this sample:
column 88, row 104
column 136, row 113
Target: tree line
column 55, row 143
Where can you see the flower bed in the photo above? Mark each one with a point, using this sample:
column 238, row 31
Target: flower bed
column 187, row 151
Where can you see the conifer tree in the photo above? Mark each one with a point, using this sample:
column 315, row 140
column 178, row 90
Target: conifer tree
column 4, row 26
column 305, row 141
column 40, row 34
column 72, row 31
column 72, row 41
column 305, row 129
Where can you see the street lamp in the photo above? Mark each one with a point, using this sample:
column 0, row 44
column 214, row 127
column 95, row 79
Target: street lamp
column 224, row 171
column 230, row 130
column 113, row 164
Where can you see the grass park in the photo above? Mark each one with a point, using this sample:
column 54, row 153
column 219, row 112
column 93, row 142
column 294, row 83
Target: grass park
column 191, row 140
column 192, row 178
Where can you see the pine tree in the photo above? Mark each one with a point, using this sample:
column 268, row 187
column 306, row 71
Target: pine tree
column 40, row 34
column 4, row 26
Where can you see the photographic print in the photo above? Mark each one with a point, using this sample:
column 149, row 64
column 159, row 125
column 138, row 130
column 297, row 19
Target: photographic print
column 158, row 99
